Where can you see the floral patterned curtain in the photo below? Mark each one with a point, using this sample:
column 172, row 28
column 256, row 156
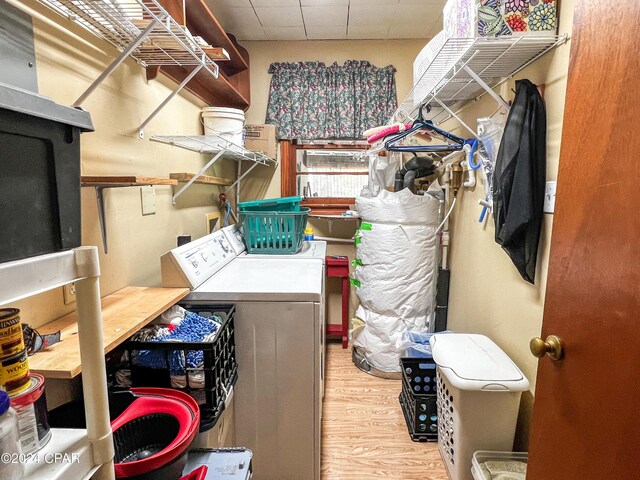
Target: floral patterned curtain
column 312, row 101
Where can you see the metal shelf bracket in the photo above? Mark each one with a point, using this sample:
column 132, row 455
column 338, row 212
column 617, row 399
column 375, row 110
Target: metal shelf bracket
column 116, row 63
column 196, row 176
column 169, row 97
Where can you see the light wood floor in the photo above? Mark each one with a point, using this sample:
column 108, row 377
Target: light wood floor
column 364, row 435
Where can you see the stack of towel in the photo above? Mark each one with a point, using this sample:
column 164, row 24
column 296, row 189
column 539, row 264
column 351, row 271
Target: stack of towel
column 504, row 470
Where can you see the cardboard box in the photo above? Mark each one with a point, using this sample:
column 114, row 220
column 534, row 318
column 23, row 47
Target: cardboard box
column 261, row 138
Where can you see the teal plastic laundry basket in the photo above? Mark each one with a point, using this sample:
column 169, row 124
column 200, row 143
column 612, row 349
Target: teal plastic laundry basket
column 284, row 204
column 274, row 232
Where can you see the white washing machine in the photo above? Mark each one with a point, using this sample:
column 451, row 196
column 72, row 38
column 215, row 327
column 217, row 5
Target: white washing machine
column 279, row 346
column 313, row 249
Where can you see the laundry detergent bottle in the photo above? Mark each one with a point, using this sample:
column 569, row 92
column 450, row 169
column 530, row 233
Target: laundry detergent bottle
column 308, row 233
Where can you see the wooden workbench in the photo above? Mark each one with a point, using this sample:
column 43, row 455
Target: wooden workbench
column 123, row 313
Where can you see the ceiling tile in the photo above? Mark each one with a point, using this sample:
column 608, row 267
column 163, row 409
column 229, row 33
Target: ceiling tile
column 315, row 32
column 437, row 27
column 403, row 30
column 249, row 33
column 379, row 17
column 417, row 16
column 371, row 3
column 285, row 33
column 423, row 2
column 239, row 18
column 366, row 32
column 272, row 3
column 280, row 16
column 314, row 3
column 334, row 15
column 222, row 4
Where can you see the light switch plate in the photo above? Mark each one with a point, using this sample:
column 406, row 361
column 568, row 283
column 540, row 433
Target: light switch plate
column 148, row 196
column 550, row 197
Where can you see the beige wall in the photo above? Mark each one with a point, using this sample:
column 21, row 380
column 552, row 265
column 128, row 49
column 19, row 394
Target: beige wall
column 68, row 60
column 399, row 53
column 487, row 294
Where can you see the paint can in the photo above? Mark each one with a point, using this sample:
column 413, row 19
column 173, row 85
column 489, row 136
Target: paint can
column 14, row 373
column 33, row 420
column 11, row 339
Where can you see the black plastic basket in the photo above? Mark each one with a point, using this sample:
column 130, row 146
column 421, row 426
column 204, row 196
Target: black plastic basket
column 419, row 408
column 220, row 369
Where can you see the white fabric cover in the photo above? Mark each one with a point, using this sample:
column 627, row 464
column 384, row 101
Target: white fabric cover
column 397, row 247
column 401, row 207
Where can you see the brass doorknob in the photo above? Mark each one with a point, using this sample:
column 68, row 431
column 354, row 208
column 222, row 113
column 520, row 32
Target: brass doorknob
column 552, row 347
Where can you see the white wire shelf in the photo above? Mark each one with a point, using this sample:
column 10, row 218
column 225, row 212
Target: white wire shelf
column 121, row 22
column 214, row 144
column 219, row 147
column 144, row 30
column 465, row 68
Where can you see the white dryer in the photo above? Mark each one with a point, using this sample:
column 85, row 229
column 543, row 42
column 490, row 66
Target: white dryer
column 279, row 346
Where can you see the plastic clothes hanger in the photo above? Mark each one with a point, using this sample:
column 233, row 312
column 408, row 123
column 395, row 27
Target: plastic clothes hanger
column 421, row 123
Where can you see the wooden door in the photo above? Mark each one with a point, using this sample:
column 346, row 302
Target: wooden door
column 586, row 421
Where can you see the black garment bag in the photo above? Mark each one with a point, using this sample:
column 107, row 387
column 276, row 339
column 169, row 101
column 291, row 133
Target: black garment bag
column 519, row 181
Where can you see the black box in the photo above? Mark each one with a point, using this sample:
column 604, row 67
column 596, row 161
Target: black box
column 418, row 398
column 39, row 174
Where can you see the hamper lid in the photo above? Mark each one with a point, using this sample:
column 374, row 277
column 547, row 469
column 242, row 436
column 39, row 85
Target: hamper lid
column 475, row 362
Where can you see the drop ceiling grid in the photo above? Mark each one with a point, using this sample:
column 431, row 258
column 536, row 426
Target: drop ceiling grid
column 329, row 19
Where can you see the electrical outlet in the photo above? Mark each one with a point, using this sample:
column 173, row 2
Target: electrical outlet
column 148, row 197
column 550, row 197
column 69, row 293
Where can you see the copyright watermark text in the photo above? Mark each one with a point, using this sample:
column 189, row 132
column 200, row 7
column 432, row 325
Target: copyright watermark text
column 38, row 457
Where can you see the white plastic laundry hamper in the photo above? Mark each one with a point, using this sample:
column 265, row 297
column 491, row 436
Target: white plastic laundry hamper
column 479, row 390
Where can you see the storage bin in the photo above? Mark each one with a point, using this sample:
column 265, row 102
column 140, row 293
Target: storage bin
column 284, row 204
column 494, row 18
column 418, row 398
column 227, row 463
column 482, row 456
column 274, row 232
column 479, row 390
column 40, row 181
column 220, row 370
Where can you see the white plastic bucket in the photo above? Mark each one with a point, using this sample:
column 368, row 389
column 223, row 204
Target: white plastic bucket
column 227, row 123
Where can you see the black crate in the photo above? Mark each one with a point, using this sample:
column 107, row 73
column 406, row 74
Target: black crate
column 420, row 373
column 220, row 369
column 419, row 409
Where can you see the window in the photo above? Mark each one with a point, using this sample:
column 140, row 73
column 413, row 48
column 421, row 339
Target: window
column 329, row 177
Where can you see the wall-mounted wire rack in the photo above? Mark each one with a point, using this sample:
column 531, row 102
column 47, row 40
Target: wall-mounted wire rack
column 464, row 69
column 219, row 147
column 144, row 30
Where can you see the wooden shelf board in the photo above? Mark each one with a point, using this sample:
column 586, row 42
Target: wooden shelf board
column 214, row 91
column 123, row 313
column 123, row 180
column 204, row 179
column 200, row 21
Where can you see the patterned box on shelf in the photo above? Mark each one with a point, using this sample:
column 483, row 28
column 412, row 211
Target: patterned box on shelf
column 494, row 18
